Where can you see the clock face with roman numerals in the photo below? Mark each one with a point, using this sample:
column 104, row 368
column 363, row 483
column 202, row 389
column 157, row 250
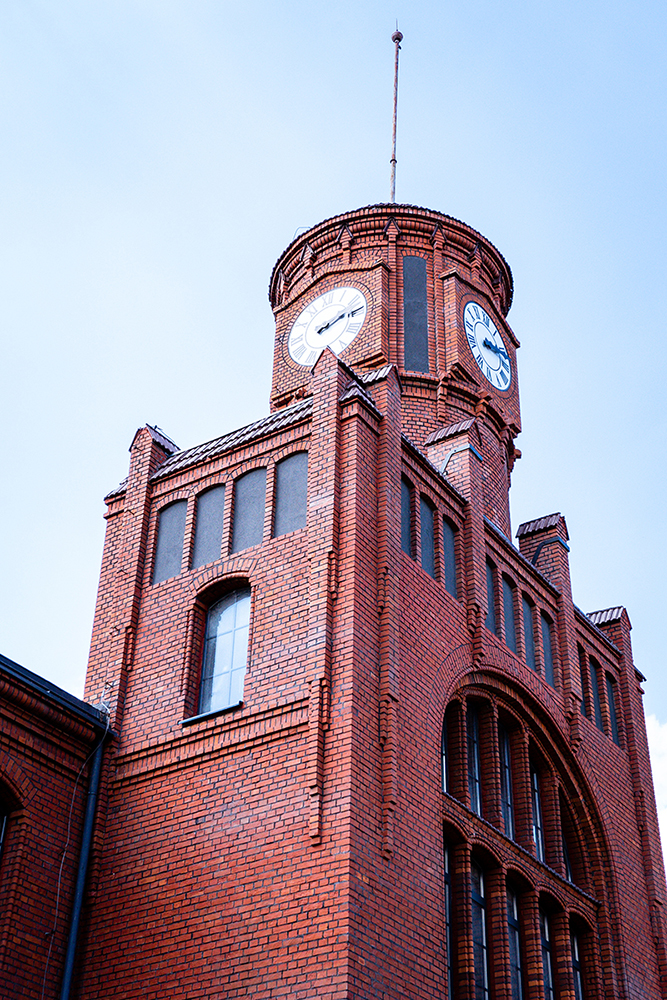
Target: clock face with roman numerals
column 332, row 320
column 487, row 346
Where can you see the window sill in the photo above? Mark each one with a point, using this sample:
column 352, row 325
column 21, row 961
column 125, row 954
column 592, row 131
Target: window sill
column 209, row 715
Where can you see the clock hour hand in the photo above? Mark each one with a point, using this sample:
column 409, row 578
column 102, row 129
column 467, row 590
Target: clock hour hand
column 492, row 347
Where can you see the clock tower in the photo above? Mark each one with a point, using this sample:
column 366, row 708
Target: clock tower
column 405, row 286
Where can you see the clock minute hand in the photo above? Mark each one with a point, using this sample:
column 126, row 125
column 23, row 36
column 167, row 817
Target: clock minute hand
column 330, row 323
column 492, row 347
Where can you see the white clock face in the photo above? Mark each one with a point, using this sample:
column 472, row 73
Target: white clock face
column 332, row 320
column 487, row 346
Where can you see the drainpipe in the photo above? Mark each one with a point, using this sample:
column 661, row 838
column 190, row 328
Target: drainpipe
column 84, row 855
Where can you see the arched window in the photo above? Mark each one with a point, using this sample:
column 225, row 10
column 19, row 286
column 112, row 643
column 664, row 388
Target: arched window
column 291, row 490
column 547, row 648
column 508, row 613
column 225, row 652
column 208, row 526
column 249, row 503
column 514, row 936
column 479, row 940
column 490, row 621
column 406, row 516
column 528, row 633
column 169, row 546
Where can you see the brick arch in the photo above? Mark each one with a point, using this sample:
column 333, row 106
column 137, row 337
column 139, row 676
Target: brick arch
column 15, row 779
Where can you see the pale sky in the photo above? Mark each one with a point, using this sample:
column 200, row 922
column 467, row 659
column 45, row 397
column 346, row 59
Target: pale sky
column 156, row 157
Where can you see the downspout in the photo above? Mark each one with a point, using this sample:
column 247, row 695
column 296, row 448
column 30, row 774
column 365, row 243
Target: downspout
column 84, row 855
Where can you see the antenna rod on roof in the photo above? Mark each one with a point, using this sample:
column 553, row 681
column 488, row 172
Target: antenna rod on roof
column 396, row 38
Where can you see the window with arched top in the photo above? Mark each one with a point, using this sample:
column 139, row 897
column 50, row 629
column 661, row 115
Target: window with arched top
column 291, row 493
column 225, row 652
column 169, row 544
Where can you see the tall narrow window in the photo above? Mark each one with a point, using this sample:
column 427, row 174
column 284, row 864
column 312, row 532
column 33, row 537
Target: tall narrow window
column 225, row 652
column 514, row 934
column 249, row 502
column 506, row 798
column 490, row 597
column 508, row 614
column 291, row 489
column 208, row 526
column 547, row 965
column 449, row 551
column 576, row 968
column 538, row 826
column 528, row 634
column 4, row 815
column 474, row 760
column 427, row 524
column 594, row 667
column 446, row 784
column 406, row 516
column 548, row 650
column 415, row 318
column 479, row 941
column 611, row 701
column 169, row 547
column 582, row 678
column 449, row 930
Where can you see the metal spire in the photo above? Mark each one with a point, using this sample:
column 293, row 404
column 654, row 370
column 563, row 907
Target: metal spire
column 396, row 38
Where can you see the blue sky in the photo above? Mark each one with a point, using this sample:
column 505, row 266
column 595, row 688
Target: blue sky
column 156, row 157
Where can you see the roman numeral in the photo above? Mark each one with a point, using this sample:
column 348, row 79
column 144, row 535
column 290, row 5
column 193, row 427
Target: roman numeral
column 486, row 319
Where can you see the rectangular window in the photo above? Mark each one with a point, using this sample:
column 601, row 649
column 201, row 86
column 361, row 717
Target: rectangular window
column 249, row 504
column 528, row 634
column 406, row 517
column 427, row 526
column 169, row 547
column 576, row 968
column 291, row 491
column 611, row 701
column 508, row 614
column 506, row 797
column 548, row 650
column 449, row 929
column 474, row 761
column 490, row 597
column 449, row 551
column 594, row 668
column 479, row 942
column 547, row 968
column 582, row 677
column 415, row 317
column 208, row 526
column 514, row 934
column 536, row 806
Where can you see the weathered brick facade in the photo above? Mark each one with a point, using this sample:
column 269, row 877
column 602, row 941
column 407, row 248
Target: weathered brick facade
column 405, row 764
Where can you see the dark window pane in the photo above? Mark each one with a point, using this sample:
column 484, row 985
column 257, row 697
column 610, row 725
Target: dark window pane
column 415, row 321
column 291, row 489
column 611, row 699
column 406, row 517
column 528, row 634
column 547, row 972
column 595, row 691
column 506, row 798
column 449, row 936
column 169, row 548
column 548, row 651
column 490, row 598
column 508, row 614
column 576, row 968
column 208, row 526
column 582, row 677
column 449, row 547
column 516, row 979
column 4, row 815
column 538, row 826
column 445, row 756
column 474, row 761
column 225, row 652
column 479, row 942
column 249, row 500
column 428, row 543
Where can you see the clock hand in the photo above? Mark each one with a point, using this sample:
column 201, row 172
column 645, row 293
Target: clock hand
column 330, row 323
column 492, row 347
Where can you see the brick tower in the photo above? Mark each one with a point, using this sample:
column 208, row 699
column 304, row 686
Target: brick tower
column 365, row 746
